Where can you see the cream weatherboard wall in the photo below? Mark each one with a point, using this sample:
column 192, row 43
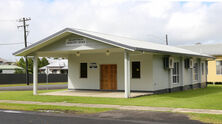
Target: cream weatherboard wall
column 212, row 73
column 145, row 83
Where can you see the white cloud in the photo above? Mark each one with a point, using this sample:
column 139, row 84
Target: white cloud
column 184, row 22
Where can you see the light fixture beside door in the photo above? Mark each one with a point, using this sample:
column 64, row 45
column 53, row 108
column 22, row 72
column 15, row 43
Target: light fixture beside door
column 107, row 52
column 77, row 53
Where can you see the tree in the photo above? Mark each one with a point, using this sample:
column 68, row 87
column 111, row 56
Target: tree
column 21, row 63
column 44, row 62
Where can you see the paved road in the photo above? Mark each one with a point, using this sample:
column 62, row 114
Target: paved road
column 40, row 87
column 112, row 117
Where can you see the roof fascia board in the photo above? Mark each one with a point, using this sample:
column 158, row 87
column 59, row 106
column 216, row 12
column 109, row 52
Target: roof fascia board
column 41, row 41
column 166, row 52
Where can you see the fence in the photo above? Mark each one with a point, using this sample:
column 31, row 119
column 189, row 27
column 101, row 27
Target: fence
column 21, row 78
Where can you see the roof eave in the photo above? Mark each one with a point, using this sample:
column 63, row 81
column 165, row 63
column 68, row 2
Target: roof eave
column 167, row 52
column 17, row 53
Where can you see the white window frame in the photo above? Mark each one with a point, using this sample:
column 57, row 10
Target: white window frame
column 219, row 67
column 196, row 71
column 176, row 73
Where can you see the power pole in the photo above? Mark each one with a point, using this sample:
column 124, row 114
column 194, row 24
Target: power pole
column 166, row 39
column 24, row 25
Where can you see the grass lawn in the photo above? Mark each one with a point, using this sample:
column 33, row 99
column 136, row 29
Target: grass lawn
column 11, row 85
column 206, row 98
column 207, row 118
column 27, row 107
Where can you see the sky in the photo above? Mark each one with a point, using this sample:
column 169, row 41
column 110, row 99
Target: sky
column 185, row 22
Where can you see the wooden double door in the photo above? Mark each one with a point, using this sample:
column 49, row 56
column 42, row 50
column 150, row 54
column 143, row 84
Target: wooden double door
column 108, row 77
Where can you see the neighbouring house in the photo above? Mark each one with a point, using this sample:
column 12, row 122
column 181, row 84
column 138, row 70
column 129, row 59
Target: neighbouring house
column 9, row 69
column 57, row 66
column 6, row 62
column 98, row 61
column 214, row 66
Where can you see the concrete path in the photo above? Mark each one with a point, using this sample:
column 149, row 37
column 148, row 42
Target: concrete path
column 40, row 87
column 86, row 93
column 146, row 108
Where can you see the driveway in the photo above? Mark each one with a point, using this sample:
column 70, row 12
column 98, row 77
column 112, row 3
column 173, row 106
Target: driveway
column 40, row 87
column 110, row 117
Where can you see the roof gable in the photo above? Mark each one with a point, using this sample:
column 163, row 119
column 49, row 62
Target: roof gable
column 66, row 44
column 62, row 34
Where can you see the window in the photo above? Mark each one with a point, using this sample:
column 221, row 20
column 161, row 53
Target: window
column 175, row 75
column 196, row 71
column 202, row 68
column 83, row 70
column 219, row 67
column 135, row 69
column 54, row 71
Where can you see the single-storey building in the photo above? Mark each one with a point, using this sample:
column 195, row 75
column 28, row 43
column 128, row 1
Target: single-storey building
column 214, row 66
column 98, row 61
column 9, row 69
column 57, row 66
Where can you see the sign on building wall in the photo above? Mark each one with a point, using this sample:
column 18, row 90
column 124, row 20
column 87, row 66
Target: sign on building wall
column 93, row 65
column 75, row 41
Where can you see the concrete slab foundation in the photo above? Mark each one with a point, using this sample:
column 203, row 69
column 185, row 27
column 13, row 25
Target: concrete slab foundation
column 85, row 93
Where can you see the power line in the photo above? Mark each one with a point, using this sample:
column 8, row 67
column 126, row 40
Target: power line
column 14, row 43
column 24, row 26
column 10, row 43
column 8, row 20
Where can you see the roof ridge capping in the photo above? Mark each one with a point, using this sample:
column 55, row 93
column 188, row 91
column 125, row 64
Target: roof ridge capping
column 123, row 42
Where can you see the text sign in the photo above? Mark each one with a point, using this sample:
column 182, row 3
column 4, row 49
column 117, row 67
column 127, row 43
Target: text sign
column 75, row 41
column 93, row 65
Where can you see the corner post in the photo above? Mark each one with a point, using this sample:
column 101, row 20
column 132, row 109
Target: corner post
column 182, row 73
column 35, row 75
column 200, row 73
column 170, row 79
column 192, row 77
column 127, row 74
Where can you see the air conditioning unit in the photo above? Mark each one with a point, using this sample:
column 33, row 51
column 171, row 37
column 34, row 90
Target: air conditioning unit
column 168, row 62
